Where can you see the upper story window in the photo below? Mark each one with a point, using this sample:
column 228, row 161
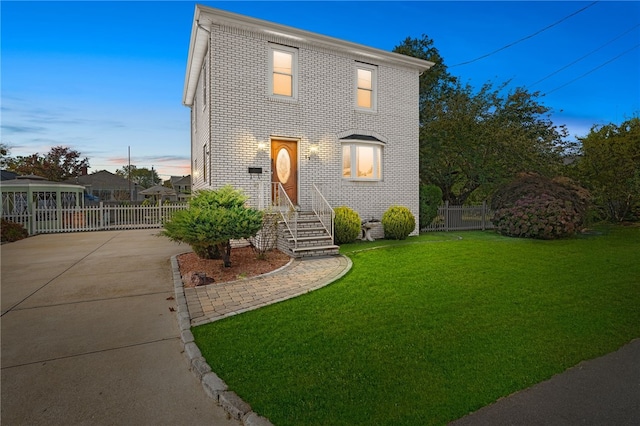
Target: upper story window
column 283, row 71
column 366, row 86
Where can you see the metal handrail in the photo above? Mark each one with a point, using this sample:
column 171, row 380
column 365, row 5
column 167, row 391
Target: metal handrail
column 287, row 210
column 322, row 210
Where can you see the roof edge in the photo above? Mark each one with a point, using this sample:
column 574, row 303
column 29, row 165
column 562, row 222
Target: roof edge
column 205, row 15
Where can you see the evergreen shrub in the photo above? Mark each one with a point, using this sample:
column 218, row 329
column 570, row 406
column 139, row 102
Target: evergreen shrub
column 347, row 225
column 398, row 222
column 430, row 200
column 212, row 219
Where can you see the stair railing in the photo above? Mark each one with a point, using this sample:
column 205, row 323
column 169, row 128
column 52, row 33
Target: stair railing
column 322, row 210
column 287, row 210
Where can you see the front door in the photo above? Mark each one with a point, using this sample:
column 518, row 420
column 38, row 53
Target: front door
column 284, row 167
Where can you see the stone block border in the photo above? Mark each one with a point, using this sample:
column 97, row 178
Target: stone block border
column 213, row 385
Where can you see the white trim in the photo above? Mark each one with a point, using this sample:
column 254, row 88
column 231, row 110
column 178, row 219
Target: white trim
column 374, row 86
column 294, row 70
column 377, row 159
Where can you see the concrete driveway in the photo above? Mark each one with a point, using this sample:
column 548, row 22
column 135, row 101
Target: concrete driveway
column 89, row 336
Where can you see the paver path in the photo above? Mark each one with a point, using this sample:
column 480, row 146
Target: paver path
column 216, row 301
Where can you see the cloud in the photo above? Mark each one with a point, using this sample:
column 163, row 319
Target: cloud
column 17, row 129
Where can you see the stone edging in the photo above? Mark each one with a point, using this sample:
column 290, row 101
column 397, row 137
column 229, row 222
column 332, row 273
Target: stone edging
column 213, row 385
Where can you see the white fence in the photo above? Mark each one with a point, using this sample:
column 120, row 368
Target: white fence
column 93, row 218
column 461, row 218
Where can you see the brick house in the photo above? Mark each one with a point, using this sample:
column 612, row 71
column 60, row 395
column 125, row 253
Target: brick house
column 275, row 108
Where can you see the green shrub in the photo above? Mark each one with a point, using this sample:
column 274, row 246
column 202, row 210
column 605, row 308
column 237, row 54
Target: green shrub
column 398, row 222
column 430, row 200
column 12, row 231
column 212, row 219
column 534, row 206
column 347, row 225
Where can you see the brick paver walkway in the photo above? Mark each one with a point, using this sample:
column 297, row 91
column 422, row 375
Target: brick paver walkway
column 216, row 301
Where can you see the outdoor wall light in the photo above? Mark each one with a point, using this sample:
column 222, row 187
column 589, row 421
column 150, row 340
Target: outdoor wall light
column 313, row 151
column 262, row 146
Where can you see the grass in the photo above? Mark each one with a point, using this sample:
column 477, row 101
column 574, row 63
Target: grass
column 427, row 330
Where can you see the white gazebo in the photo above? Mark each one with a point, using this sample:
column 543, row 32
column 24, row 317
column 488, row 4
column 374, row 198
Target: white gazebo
column 26, row 194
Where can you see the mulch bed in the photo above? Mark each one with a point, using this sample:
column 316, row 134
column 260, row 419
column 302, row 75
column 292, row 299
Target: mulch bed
column 244, row 264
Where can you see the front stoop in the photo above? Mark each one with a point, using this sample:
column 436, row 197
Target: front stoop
column 313, row 239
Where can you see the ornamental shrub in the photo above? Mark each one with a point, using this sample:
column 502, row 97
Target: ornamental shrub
column 398, row 222
column 430, row 200
column 347, row 225
column 12, row 231
column 537, row 207
column 212, row 219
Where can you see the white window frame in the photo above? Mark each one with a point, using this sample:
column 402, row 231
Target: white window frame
column 378, row 157
column 374, row 86
column 294, row 70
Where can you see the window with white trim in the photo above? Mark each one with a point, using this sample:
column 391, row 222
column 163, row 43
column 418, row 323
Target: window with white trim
column 366, row 86
column 283, row 71
column 361, row 161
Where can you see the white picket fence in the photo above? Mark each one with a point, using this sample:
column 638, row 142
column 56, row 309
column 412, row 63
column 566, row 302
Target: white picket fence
column 94, row 218
column 461, row 218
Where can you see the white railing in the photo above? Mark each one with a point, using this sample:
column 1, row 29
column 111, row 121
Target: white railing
column 323, row 210
column 461, row 218
column 283, row 204
column 94, row 218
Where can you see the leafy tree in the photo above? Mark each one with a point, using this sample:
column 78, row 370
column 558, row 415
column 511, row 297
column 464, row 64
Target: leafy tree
column 141, row 175
column 212, row 220
column 471, row 141
column 59, row 164
column 609, row 165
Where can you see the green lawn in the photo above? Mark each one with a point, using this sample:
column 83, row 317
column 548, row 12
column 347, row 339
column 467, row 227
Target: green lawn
column 427, row 330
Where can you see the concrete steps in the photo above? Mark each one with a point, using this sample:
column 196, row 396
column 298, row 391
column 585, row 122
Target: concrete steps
column 312, row 239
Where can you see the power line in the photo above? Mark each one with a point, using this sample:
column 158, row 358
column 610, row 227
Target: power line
column 525, row 38
column 582, row 57
column 594, row 69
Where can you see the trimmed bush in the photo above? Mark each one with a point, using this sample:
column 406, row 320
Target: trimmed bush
column 430, row 200
column 398, row 222
column 212, row 220
column 12, row 231
column 347, row 225
column 534, row 206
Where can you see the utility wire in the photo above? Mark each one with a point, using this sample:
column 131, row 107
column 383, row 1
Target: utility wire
column 594, row 69
column 582, row 57
column 525, row 38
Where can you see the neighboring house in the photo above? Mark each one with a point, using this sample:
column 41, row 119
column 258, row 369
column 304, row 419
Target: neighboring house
column 271, row 103
column 7, row 175
column 182, row 186
column 107, row 186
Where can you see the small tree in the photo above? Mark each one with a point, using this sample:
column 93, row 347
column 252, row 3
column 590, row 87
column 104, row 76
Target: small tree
column 610, row 167
column 267, row 236
column 212, row 219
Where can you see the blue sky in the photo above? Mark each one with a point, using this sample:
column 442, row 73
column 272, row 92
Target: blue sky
column 101, row 77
